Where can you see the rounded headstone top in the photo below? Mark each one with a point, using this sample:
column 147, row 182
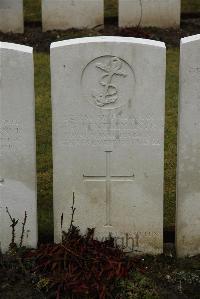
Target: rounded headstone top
column 108, row 39
column 16, row 47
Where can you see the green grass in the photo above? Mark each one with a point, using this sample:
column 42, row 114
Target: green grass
column 44, row 147
column 171, row 134
column 190, row 5
column 32, row 10
column 111, row 8
column 44, row 150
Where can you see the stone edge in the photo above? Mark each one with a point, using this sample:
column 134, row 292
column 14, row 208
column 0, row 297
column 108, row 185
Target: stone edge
column 117, row 39
column 16, row 47
column 190, row 39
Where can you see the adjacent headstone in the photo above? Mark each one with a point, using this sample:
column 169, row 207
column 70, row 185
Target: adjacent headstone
column 11, row 16
column 149, row 13
column 17, row 145
column 108, row 96
column 188, row 195
column 65, row 14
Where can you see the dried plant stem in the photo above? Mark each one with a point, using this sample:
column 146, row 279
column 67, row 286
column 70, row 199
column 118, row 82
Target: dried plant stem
column 23, row 230
column 14, row 223
column 73, row 212
column 61, row 221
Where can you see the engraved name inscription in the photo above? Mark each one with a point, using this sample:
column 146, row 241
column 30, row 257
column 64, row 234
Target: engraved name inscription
column 108, row 82
column 101, row 130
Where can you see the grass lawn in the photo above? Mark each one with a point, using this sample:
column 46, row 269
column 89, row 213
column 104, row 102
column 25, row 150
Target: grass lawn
column 171, row 135
column 190, row 5
column 33, row 8
column 44, row 141
column 44, row 154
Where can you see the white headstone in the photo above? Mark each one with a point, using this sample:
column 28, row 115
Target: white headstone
column 65, row 14
column 11, row 16
column 108, row 98
column 188, row 198
column 17, row 144
column 148, row 13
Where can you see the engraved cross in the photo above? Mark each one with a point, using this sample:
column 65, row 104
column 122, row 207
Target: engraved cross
column 108, row 179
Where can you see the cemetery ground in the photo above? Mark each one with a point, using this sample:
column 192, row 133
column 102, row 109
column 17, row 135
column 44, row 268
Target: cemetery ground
column 150, row 277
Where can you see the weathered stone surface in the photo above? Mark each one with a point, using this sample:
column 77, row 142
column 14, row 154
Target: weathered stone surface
column 108, row 96
column 17, row 144
column 64, row 14
column 11, row 16
column 148, row 13
column 188, row 195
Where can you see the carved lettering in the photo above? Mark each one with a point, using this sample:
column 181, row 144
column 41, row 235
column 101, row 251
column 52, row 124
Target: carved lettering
column 82, row 129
